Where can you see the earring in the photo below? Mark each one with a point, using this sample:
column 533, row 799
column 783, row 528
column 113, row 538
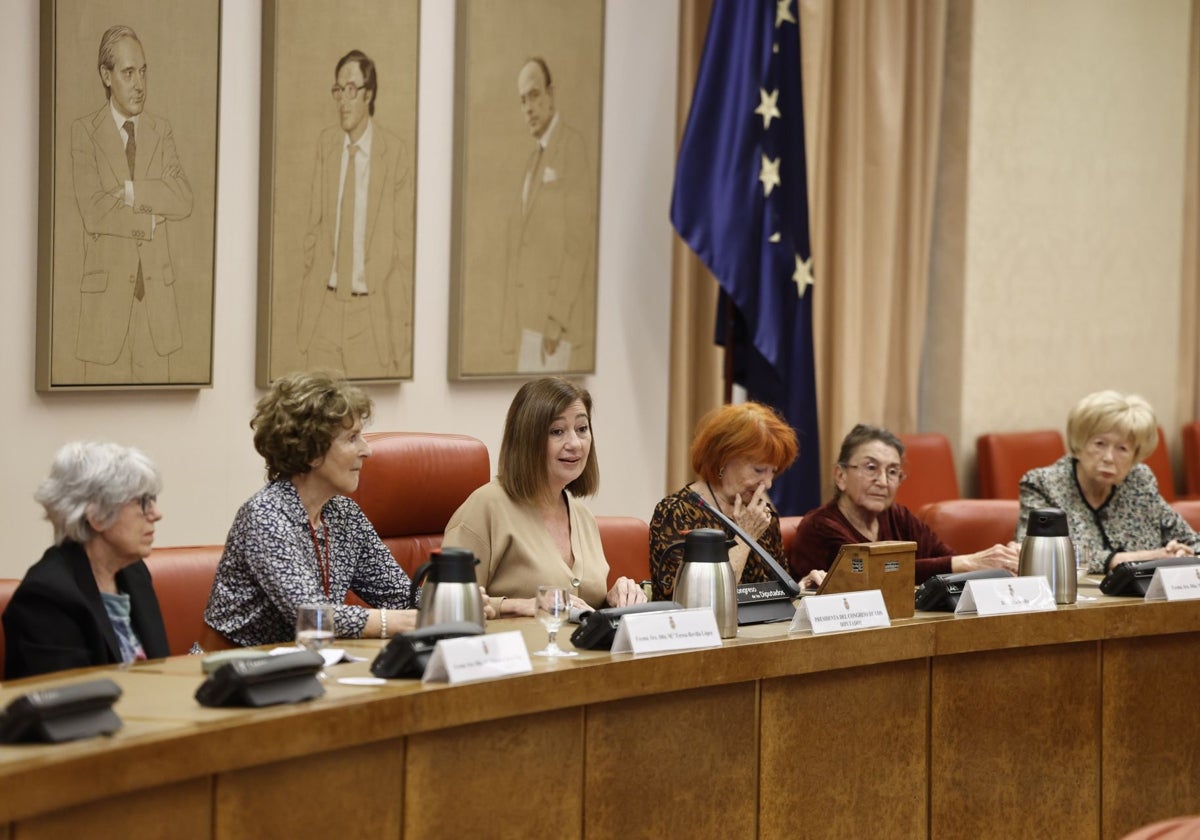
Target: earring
column 721, row 473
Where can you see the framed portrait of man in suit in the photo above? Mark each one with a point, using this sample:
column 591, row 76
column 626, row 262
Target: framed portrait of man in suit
column 526, row 196
column 127, row 218
column 338, row 188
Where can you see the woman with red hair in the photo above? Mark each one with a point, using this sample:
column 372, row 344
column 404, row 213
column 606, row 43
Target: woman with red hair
column 737, row 452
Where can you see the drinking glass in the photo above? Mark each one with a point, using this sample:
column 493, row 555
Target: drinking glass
column 314, row 626
column 553, row 607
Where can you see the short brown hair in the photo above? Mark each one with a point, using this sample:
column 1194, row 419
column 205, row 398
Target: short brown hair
column 747, row 430
column 297, row 420
column 526, row 429
column 1109, row 411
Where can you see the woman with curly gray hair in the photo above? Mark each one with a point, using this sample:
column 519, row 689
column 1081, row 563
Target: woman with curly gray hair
column 89, row 600
column 299, row 539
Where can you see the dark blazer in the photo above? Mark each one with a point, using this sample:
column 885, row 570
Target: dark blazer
column 56, row 619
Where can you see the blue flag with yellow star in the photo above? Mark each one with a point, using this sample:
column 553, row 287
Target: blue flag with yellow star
column 741, row 203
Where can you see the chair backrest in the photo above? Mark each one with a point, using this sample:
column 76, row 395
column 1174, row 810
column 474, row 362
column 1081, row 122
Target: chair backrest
column 412, row 484
column 183, row 577
column 1189, row 509
column 1005, row 457
column 970, row 525
column 1191, row 458
column 626, row 541
column 1159, row 461
column 7, row 587
column 929, row 463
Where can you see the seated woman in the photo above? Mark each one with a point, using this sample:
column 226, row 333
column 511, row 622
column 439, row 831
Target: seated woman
column 89, row 600
column 527, row 527
column 737, row 452
column 867, row 474
column 299, row 539
column 1110, row 497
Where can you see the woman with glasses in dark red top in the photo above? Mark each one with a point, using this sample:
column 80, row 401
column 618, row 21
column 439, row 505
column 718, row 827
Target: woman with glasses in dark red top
column 868, row 472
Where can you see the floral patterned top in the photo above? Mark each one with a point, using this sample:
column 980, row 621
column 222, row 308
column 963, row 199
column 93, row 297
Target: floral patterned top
column 1134, row 518
column 673, row 516
column 270, row 566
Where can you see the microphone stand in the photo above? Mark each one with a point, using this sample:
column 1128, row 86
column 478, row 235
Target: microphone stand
column 780, row 573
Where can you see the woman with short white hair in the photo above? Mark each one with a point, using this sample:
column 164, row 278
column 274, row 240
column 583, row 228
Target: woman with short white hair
column 1111, row 498
column 89, row 600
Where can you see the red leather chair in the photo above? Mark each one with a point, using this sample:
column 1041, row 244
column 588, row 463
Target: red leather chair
column 412, row 484
column 970, row 525
column 929, row 462
column 7, row 587
column 1189, row 509
column 1160, row 462
column 183, row 577
column 1005, row 457
column 1191, row 458
column 626, row 541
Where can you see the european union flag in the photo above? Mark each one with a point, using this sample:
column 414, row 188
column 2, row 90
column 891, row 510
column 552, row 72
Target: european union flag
column 741, row 203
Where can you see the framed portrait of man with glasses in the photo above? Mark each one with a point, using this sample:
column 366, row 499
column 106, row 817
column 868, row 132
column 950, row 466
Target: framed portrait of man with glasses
column 127, row 219
column 337, row 193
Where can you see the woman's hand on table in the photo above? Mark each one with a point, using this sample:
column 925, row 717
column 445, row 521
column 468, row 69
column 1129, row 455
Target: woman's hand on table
column 625, row 592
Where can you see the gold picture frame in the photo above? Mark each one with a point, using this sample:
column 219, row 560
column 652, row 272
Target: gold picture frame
column 528, row 108
column 127, row 230
column 325, row 67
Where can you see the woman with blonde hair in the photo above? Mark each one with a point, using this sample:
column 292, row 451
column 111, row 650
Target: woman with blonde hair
column 1114, row 510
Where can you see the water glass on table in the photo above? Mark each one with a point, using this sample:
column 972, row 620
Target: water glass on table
column 553, row 608
column 314, row 626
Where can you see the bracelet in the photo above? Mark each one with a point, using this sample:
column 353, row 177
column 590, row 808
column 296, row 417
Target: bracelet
column 500, row 606
column 383, row 624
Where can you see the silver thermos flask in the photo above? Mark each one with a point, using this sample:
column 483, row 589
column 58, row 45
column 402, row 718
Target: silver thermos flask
column 449, row 592
column 1047, row 550
column 705, row 578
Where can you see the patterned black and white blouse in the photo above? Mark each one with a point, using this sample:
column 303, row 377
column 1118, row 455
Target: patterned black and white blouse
column 1134, row 518
column 270, row 567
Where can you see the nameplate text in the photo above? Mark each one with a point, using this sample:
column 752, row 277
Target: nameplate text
column 838, row 613
column 470, row 658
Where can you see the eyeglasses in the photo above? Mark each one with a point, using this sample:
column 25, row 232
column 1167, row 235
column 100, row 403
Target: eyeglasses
column 145, row 502
column 872, row 470
column 348, row 90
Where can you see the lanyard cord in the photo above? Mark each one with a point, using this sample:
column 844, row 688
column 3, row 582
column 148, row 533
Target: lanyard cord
column 323, row 563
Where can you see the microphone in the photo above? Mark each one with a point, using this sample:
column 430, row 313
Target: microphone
column 777, row 570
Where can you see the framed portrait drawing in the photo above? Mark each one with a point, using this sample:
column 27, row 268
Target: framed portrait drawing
column 127, row 219
column 337, row 192
column 529, row 77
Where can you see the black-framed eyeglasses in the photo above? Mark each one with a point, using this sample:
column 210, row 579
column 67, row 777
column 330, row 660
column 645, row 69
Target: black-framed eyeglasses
column 349, row 91
column 871, row 469
column 145, row 501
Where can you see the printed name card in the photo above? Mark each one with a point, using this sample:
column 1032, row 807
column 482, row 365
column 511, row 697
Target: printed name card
column 847, row 611
column 656, row 632
column 996, row 596
column 470, row 658
column 1175, row 583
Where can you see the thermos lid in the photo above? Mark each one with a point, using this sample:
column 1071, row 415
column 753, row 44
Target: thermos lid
column 705, row 545
column 449, row 565
column 1047, row 522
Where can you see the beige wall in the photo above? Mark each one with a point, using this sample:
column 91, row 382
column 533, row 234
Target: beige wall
column 1063, row 219
column 201, row 440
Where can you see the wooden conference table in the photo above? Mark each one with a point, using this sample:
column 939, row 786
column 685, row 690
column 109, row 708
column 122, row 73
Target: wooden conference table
column 1076, row 723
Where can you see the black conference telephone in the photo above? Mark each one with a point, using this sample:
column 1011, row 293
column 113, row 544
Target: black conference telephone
column 407, row 654
column 65, row 713
column 287, row 678
column 940, row 593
